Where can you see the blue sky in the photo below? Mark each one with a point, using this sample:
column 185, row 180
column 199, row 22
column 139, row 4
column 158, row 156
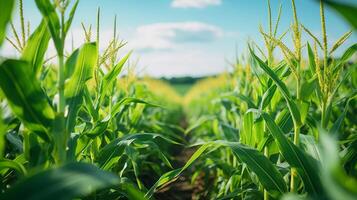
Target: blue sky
column 189, row 37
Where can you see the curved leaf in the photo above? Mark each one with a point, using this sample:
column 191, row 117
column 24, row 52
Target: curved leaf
column 345, row 57
column 307, row 166
column 110, row 153
column 110, row 77
column 283, row 89
column 5, row 16
column 68, row 23
column 267, row 174
column 26, row 97
column 74, row 89
column 128, row 100
column 348, row 11
column 173, row 175
column 11, row 164
column 48, row 12
column 36, row 47
column 70, row 181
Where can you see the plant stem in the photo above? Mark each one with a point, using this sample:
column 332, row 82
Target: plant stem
column 298, row 86
column 296, row 134
column 323, row 114
column 325, row 68
column 61, row 133
column 61, row 72
column 62, row 102
column 266, row 154
column 293, row 170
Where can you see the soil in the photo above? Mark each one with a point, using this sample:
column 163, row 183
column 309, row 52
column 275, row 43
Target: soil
column 182, row 189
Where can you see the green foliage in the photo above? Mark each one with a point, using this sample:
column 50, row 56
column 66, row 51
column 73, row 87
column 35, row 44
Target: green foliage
column 5, row 16
column 67, row 182
column 36, row 47
column 26, row 97
column 347, row 11
column 272, row 128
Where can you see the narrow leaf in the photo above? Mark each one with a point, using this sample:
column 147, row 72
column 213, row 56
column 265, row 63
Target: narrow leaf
column 36, row 47
column 5, row 16
column 48, row 11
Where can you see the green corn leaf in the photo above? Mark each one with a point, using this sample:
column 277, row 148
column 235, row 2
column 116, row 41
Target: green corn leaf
column 133, row 156
column 12, row 164
column 5, row 16
column 347, row 11
column 199, row 123
column 26, row 97
column 131, row 192
column 230, row 133
column 247, row 135
column 129, row 100
column 111, row 152
column 74, row 89
column 334, row 93
column 231, row 195
column 70, row 64
column 110, row 77
column 68, row 23
column 337, row 183
column 307, row 167
column 338, row 123
column 307, row 88
column 68, row 182
column 3, row 129
column 155, row 148
column 48, row 12
column 312, row 63
column 283, row 89
column 304, row 107
column 248, row 100
column 173, row 175
column 345, row 57
column 267, row 174
column 284, row 121
column 310, row 146
column 34, row 150
column 36, row 47
column 90, row 104
column 268, row 95
column 99, row 128
column 349, row 52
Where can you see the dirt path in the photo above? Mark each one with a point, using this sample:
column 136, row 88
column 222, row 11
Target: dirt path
column 181, row 189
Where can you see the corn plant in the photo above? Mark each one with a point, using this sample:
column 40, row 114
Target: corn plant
column 66, row 125
column 277, row 128
column 73, row 126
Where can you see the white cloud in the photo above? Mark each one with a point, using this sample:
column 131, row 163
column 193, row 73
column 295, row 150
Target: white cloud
column 164, row 49
column 194, row 3
column 165, row 36
column 181, row 62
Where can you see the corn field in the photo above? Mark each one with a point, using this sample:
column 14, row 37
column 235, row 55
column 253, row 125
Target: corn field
column 74, row 127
